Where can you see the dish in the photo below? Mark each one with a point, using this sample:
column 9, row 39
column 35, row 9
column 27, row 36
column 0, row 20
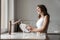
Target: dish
column 23, row 27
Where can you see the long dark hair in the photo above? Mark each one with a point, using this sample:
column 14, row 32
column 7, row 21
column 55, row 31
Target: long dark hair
column 43, row 9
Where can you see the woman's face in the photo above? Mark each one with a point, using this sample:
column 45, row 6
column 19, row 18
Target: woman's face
column 38, row 10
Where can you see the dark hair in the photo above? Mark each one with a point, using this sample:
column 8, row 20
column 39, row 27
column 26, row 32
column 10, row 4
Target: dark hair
column 43, row 9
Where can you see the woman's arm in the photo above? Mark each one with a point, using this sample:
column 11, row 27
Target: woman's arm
column 44, row 26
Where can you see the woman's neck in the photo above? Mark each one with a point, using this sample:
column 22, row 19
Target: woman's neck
column 42, row 14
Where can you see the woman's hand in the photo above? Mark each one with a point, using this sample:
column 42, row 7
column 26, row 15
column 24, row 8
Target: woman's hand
column 29, row 28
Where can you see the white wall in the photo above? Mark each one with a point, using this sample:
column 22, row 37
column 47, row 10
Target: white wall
column 27, row 10
column 4, row 15
column 0, row 16
column 0, row 12
column 7, row 14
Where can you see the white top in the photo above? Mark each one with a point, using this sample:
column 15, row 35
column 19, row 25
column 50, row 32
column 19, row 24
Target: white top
column 40, row 22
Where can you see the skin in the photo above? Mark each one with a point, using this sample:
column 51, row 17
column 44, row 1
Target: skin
column 45, row 23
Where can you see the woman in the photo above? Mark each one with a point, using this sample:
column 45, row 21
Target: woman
column 42, row 23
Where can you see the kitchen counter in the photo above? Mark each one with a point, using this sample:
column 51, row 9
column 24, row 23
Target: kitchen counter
column 36, row 36
column 23, row 36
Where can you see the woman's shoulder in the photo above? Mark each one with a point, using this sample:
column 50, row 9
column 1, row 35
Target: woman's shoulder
column 46, row 17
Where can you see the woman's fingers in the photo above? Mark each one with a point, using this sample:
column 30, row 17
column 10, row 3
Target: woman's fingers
column 28, row 27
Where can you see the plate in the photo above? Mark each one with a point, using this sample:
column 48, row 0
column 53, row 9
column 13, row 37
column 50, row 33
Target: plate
column 23, row 27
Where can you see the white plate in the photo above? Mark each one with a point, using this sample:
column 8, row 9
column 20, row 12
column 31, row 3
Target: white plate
column 23, row 27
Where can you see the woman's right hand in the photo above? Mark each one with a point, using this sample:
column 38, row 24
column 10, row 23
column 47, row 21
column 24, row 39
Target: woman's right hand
column 29, row 28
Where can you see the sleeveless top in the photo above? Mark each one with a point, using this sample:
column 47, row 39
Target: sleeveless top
column 39, row 23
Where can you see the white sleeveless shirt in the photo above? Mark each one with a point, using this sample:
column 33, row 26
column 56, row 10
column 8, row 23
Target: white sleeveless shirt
column 39, row 23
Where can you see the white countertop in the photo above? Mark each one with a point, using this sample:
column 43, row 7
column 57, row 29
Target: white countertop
column 23, row 36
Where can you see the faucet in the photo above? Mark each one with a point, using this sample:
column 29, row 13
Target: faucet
column 10, row 25
column 9, row 28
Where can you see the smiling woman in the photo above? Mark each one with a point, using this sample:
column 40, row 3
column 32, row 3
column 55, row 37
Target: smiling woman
column 43, row 22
